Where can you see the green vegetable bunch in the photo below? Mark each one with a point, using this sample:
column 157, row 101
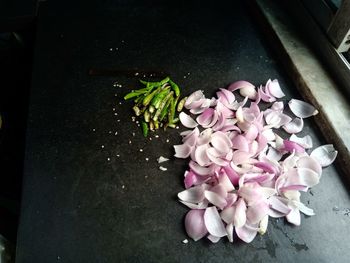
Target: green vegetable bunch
column 157, row 104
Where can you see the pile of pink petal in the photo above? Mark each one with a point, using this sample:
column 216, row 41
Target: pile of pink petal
column 241, row 171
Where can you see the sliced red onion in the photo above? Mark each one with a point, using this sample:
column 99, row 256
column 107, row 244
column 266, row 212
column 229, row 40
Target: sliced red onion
column 274, row 89
column 194, row 224
column 324, row 154
column 295, row 126
column 278, row 106
column 229, row 230
column 229, row 97
column 304, row 209
column 219, row 189
column 265, row 96
column 277, row 205
column 221, row 142
column 293, row 216
column 225, row 182
column 213, row 222
column 231, row 174
column 208, row 118
column 305, row 141
column 311, row 163
column 263, row 225
column 195, row 96
column 201, row 156
column 204, row 137
column 216, row 157
column 292, row 146
column 301, row 108
column 227, row 214
column 246, row 233
column 192, row 195
column 182, row 150
column 215, row 199
column 201, row 205
column 187, row 121
column 241, row 84
column 251, row 193
column 257, row 212
column 201, row 170
column 231, row 199
column 240, row 218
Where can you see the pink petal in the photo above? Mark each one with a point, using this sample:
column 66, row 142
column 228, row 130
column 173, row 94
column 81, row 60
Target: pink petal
column 241, row 84
column 277, row 106
column 187, row 121
column 251, row 133
column 295, row 126
column 206, row 118
column 225, row 181
column 240, row 142
column 229, row 97
column 301, row 108
column 213, row 222
column 324, row 155
column 194, row 224
column 193, row 179
column 274, row 89
column 182, row 150
column 265, row 96
column 192, row 195
column 239, row 218
column 227, row 214
column 246, row 233
column 231, row 174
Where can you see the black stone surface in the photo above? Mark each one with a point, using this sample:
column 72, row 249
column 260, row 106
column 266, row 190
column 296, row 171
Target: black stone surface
column 80, row 206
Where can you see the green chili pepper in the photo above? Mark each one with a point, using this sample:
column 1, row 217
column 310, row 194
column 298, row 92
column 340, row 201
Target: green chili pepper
column 180, row 105
column 146, row 116
column 162, row 104
column 132, row 95
column 175, row 87
column 156, row 101
column 144, row 127
column 165, row 109
column 149, row 97
column 155, row 84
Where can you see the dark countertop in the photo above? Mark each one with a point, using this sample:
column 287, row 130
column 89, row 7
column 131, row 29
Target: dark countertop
column 79, row 207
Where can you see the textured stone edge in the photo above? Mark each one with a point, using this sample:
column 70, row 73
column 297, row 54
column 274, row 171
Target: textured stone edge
column 310, row 78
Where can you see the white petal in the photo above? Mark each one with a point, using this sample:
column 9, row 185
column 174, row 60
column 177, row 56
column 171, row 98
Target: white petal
column 324, row 154
column 213, row 222
column 301, row 108
column 187, row 121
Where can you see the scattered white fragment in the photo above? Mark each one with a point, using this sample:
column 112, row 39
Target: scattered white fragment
column 118, row 120
column 163, row 168
column 150, row 138
column 115, row 84
column 185, row 241
column 177, row 127
column 133, row 118
column 113, row 109
column 102, row 146
column 123, row 186
column 141, row 150
column 147, row 159
column 118, row 155
column 115, row 95
column 133, row 134
column 110, row 132
column 116, row 133
column 157, row 136
column 129, row 142
column 137, row 122
column 162, row 159
column 136, row 74
column 111, row 49
column 108, row 159
column 115, row 114
column 93, row 130
column 120, row 103
column 167, row 140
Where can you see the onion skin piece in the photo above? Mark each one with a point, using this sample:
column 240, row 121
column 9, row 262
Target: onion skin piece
column 194, row 224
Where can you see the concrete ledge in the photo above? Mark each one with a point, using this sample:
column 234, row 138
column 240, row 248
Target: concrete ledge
column 311, row 79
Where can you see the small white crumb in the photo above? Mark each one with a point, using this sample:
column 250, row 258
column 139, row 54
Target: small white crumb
column 123, row 186
column 115, row 84
column 177, row 127
column 156, row 136
column 188, row 73
column 133, row 118
column 137, row 122
column 116, row 48
column 167, row 140
column 144, row 76
column 129, row 142
column 116, row 133
column 146, row 176
column 118, row 155
column 115, row 114
column 110, row 132
column 138, row 125
column 133, row 134
column 162, row 168
column 141, row 150
column 116, row 95
column 136, row 74
column 102, row 146
column 162, row 159
column 111, row 49
column 113, row 109
column 118, row 120
column 147, row 159
column 123, row 41
column 108, row 159
column 93, row 130
column 120, row 103
column 185, row 241
column 184, row 77
column 150, row 138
